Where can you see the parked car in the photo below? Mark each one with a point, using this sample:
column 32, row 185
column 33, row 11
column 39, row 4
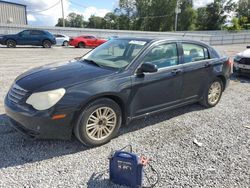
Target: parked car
column 113, row 37
column 29, row 37
column 123, row 79
column 86, row 40
column 242, row 62
column 62, row 40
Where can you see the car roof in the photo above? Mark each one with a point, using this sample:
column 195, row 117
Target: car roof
column 59, row 34
column 155, row 40
column 87, row 35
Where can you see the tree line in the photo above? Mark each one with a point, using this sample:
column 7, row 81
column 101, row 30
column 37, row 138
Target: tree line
column 160, row 15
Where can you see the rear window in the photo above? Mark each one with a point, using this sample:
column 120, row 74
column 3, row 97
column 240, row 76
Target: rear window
column 194, row 52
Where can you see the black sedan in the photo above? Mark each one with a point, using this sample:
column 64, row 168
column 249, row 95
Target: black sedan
column 123, row 79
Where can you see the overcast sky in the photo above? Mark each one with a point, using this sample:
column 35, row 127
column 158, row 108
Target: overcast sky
column 36, row 15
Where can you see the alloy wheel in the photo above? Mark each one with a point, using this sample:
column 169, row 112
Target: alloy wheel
column 46, row 44
column 101, row 123
column 11, row 44
column 214, row 93
column 65, row 43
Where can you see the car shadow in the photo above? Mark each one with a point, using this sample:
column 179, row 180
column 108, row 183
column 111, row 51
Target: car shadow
column 22, row 47
column 240, row 78
column 17, row 149
column 158, row 118
column 99, row 180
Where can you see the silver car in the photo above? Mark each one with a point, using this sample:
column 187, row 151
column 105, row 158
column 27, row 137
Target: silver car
column 242, row 62
column 62, row 40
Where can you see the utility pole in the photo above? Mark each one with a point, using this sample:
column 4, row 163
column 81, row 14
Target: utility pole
column 177, row 11
column 63, row 13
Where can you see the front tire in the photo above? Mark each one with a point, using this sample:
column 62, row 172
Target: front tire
column 11, row 43
column 99, row 122
column 81, row 45
column 47, row 44
column 213, row 94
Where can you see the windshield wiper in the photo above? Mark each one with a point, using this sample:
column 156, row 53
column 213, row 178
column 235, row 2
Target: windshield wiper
column 92, row 62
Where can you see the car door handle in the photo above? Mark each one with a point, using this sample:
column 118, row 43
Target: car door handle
column 208, row 64
column 177, row 71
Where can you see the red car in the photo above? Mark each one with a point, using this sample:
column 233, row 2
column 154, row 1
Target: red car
column 86, row 40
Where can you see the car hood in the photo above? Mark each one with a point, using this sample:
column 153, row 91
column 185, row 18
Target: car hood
column 245, row 53
column 102, row 40
column 57, row 75
column 7, row 35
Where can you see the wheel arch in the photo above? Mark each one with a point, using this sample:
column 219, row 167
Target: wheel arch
column 223, row 79
column 118, row 100
column 5, row 42
column 65, row 41
column 81, row 41
column 47, row 40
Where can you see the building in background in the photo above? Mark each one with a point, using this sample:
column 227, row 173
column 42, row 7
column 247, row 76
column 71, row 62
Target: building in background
column 12, row 13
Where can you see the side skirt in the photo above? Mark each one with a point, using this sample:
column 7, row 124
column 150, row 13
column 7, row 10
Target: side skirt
column 129, row 119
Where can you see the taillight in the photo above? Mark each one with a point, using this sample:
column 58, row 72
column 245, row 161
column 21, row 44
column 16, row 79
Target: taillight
column 229, row 63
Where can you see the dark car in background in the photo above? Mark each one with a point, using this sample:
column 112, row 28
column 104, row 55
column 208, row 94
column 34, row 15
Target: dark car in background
column 123, row 79
column 242, row 62
column 29, row 37
column 86, row 41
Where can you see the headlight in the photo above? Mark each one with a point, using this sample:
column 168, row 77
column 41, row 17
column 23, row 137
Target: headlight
column 45, row 100
column 237, row 58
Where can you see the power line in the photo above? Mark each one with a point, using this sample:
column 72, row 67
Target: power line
column 79, row 5
column 146, row 17
column 45, row 9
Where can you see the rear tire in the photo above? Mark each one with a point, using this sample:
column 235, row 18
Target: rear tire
column 99, row 122
column 47, row 44
column 81, row 45
column 65, row 43
column 212, row 94
column 11, row 43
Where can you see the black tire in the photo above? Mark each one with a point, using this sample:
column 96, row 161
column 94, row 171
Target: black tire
column 81, row 45
column 11, row 43
column 65, row 43
column 205, row 99
column 80, row 129
column 47, row 44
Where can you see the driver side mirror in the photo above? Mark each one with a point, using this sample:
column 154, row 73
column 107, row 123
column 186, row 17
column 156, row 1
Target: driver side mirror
column 147, row 67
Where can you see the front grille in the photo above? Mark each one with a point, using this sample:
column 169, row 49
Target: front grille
column 245, row 61
column 17, row 94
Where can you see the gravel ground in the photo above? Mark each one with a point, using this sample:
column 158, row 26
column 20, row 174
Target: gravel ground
column 189, row 147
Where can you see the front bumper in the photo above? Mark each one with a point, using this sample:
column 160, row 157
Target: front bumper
column 73, row 43
column 54, row 42
column 39, row 124
column 241, row 68
column 2, row 41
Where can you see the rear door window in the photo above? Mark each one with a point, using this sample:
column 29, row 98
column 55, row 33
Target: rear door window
column 34, row 32
column 194, row 52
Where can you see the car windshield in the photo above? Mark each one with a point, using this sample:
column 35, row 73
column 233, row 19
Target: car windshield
column 116, row 53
